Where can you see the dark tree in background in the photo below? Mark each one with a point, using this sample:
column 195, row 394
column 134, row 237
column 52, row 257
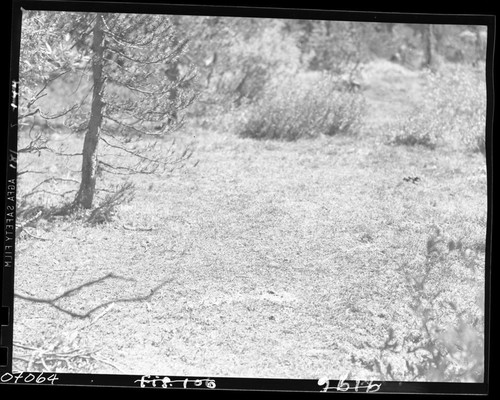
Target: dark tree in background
column 427, row 39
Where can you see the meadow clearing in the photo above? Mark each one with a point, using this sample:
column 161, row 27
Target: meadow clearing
column 281, row 259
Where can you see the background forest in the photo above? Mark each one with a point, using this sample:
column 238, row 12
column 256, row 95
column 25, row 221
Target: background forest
column 251, row 197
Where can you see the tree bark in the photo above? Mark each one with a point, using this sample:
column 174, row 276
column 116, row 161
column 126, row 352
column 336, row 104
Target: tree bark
column 85, row 195
column 427, row 39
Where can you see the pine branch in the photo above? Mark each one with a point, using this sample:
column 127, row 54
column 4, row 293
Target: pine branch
column 132, row 127
column 120, row 39
column 138, row 155
column 35, row 145
column 41, row 93
column 51, row 180
column 122, row 42
column 43, row 191
column 137, row 78
column 166, row 59
column 122, row 170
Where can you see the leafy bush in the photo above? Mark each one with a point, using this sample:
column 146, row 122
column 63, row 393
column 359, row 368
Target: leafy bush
column 304, row 105
column 452, row 112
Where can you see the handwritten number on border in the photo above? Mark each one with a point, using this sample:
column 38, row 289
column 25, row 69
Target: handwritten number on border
column 166, row 382
column 21, row 377
column 343, row 386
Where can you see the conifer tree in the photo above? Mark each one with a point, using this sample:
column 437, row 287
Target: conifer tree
column 138, row 87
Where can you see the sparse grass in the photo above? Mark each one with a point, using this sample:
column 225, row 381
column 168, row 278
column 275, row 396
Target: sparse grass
column 285, row 258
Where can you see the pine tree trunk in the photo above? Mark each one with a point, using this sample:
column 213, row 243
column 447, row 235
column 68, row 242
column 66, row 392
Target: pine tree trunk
column 427, row 39
column 85, row 195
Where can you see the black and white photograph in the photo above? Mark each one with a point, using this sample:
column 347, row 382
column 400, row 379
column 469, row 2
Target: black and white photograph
column 249, row 196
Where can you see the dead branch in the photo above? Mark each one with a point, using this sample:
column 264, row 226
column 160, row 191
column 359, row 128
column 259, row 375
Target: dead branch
column 139, row 168
column 30, row 113
column 43, row 356
column 185, row 155
column 50, row 193
column 131, row 127
column 59, row 115
column 35, row 190
column 146, row 60
column 41, row 93
column 64, row 154
column 35, row 145
column 33, row 236
column 104, row 361
column 121, row 41
column 69, row 292
column 22, row 226
column 131, row 228
column 29, row 172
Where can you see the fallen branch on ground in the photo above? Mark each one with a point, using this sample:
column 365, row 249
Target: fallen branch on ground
column 49, row 359
column 67, row 293
column 132, row 228
column 32, row 235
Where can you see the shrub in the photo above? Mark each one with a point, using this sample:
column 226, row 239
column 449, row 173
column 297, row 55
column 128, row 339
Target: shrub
column 444, row 337
column 452, row 112
column 416, row 129
column 303, row 105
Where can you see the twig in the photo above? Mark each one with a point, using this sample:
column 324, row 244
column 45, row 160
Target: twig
column 107, row 362
column 29, row 172
column 22, row 227
column 21, row 358
column 32, row 361
column 44, row 356
column 22, row 346
column 99, row 316
column 131, row 228
column 51, row 180
column 33, row 236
